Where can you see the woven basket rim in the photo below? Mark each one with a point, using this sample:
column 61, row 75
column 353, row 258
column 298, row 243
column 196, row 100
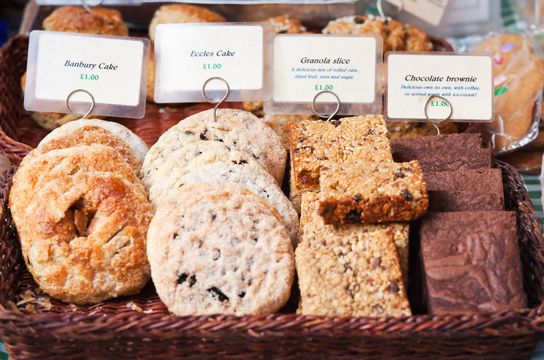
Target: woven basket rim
column 55, row 325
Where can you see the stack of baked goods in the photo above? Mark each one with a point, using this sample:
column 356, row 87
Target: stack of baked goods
column 359, row 192
column 217, row 235
column 352, row 258
column 468, row 243
column 223, row 234
column 82, row 213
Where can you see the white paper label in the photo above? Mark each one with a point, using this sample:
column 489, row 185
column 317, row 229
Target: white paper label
column 466, row 83
column 305, row 65
column 430, row 11
column 109, row 68
column 187, row 55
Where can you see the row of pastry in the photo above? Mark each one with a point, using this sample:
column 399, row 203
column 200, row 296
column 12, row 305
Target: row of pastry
column 201, row 212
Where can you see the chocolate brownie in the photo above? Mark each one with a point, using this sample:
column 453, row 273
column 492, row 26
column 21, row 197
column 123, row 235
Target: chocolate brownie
column 481, row 183
column 471, row 262
column 314, row 144
column 372, row 193
column 443, row 152
column 349, row 271
column 413, row 145
column 464, row 201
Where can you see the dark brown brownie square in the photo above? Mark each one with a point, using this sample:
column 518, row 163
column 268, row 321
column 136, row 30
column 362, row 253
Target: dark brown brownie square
column 471, row 262
column 443, row 152
column 414, row 145
column 464, row 201
column 478, row 180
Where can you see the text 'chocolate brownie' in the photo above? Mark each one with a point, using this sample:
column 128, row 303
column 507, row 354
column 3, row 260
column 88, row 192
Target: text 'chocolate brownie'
column 471, row 262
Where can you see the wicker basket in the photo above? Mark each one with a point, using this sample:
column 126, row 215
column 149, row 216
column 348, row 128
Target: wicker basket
column 119, row 329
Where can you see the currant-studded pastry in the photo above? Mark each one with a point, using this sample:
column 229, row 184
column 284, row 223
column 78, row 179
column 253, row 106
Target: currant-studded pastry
column 396, row 36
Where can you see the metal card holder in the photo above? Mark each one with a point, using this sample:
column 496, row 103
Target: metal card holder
column 210, row 100
column 436, row 121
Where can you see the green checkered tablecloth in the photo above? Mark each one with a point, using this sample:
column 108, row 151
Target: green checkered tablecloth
column 3, row 353
column 532, row 183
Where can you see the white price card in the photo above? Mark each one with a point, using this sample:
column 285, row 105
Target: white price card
column 306, row 65
column 188, row 55
column 464, row 84
column 113, row 70
column 430, row 11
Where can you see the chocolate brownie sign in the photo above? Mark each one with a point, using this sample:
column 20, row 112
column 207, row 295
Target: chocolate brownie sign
column 439, row 87
column 449, row 87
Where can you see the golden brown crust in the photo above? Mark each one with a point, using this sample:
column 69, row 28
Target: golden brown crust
column 36, row 170
column 182, row 13
column 84, row 237
column 89, row 135
column 255, row 107
column 76, row 19
column 350, row 270
column 23, row 82
column 314, row 144
column 372, row 193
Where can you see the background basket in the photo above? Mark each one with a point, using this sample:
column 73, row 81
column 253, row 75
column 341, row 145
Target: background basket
column 141, row 327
